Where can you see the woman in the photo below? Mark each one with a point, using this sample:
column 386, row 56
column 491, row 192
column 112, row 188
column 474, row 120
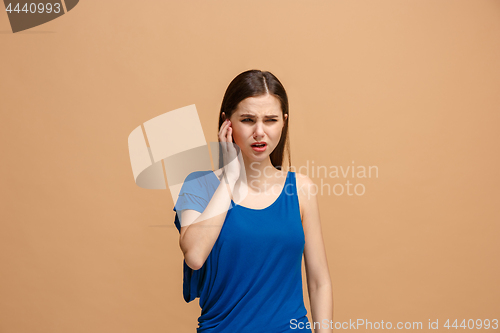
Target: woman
column 243, row 257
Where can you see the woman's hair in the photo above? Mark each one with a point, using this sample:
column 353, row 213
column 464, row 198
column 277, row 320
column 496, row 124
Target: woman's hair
column 253, row 83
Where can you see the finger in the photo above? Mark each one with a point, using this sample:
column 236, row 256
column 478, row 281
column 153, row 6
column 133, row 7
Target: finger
column 222, row 127
column 223, row 132
column 230, row 140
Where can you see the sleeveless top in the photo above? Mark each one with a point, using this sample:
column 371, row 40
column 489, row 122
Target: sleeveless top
column 251, row 281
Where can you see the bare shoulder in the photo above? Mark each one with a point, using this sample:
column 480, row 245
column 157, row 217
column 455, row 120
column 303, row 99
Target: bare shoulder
column 305, row 192
column 304, row 184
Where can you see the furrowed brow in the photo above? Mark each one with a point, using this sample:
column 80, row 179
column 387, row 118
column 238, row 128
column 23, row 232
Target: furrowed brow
column 253, row 116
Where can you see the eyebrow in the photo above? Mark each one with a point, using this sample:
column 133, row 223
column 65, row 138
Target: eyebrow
column 252, row 116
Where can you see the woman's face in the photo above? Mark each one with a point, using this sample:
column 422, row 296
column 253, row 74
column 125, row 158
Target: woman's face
column 257, row 119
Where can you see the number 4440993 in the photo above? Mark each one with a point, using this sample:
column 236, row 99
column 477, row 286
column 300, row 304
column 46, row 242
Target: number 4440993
column 35, row 8
column 473, row 324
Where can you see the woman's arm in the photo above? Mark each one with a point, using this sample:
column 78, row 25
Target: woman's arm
column 199, row 231
column 319, row 283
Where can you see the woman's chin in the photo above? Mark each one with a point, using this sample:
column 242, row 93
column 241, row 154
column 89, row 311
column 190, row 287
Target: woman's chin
column 254, row 156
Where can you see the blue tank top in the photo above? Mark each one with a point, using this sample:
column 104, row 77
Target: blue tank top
column 252, row 278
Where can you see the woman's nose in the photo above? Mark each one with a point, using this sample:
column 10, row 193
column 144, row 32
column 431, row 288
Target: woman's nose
column 259, row 130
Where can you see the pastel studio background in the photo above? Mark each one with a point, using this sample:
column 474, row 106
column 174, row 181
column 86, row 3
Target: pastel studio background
column 411, row 87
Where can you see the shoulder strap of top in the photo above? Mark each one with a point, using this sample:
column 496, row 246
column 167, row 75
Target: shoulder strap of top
column 290, row 184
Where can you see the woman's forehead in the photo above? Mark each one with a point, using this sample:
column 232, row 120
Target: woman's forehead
column 259, row 106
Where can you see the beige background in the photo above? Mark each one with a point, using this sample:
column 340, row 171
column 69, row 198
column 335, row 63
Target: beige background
column 409, row 86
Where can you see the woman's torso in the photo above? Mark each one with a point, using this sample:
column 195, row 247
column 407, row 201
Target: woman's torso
column 252, row 279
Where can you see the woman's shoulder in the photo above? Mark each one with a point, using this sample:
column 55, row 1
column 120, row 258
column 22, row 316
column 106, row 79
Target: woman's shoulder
column 305, row 192
column 200, row 175
column 198, row 180
column 304, row 184
column 302, row 178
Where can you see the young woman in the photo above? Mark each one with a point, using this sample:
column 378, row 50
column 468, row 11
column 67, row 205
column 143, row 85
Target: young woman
column 243, row 257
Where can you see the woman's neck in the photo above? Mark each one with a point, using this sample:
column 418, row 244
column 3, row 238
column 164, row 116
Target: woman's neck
column 260, row 173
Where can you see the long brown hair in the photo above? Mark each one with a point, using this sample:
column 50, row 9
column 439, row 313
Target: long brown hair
column 253, row 83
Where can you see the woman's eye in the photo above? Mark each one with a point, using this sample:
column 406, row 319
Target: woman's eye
column 245, row 120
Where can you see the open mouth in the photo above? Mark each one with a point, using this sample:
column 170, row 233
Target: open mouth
column 259, row 146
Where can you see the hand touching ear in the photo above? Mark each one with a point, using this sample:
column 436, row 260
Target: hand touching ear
column 230, row 128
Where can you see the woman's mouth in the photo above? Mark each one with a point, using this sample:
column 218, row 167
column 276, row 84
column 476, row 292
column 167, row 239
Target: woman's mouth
column 259, row 146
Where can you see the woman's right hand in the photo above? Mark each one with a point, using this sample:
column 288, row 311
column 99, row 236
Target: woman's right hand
column 231, row 153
